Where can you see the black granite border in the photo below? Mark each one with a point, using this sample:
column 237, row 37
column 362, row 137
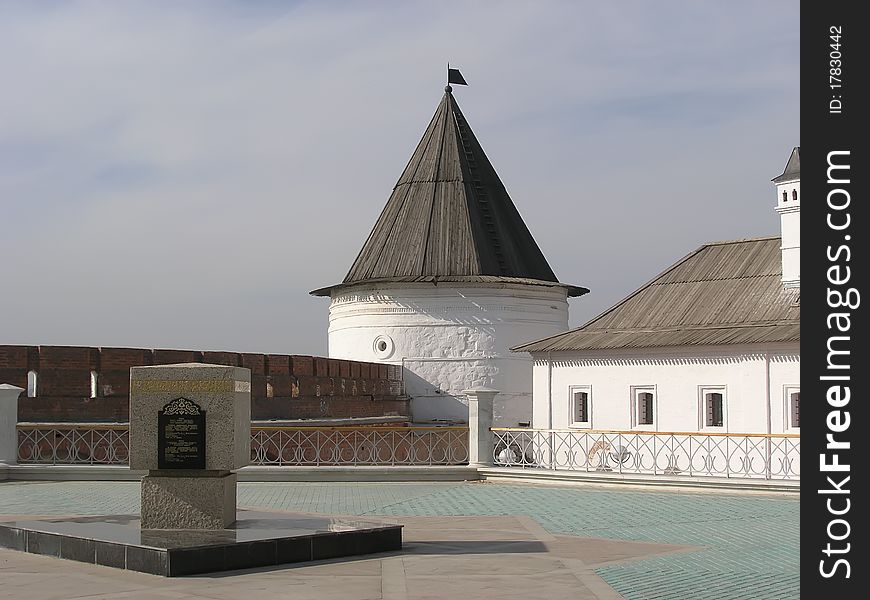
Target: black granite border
column 226, row 556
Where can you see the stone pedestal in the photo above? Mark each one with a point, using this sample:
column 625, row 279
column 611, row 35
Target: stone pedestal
column 184, row 502
column 479, row 425
column 9, row 423
column 190, row 427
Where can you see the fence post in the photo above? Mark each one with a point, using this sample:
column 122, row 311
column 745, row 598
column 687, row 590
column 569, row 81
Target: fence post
column 479, row 424
column 9, row 423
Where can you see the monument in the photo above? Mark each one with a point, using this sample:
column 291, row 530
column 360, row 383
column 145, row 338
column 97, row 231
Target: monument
column 190, row 429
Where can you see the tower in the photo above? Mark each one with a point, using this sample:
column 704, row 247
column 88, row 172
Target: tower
column 788, row 206
column 449, row 279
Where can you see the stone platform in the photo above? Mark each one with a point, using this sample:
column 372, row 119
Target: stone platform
column 255, row 540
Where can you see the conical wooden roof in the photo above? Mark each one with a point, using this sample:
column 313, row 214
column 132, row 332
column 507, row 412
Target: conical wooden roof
column 450, row 218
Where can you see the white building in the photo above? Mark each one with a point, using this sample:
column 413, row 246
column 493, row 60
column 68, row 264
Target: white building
column 449, row 279
column 710, row 345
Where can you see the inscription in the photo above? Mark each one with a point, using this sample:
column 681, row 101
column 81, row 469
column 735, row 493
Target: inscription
column 187, row 385
column 181, row 435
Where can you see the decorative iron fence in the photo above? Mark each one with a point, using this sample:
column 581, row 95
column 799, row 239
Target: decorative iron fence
column 314, row 446
column 737, row 455
column 93, row 443
column 67, row 444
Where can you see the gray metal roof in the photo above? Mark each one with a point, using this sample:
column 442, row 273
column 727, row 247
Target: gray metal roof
column 792, row 168
column 449, row 216
column 722, row 293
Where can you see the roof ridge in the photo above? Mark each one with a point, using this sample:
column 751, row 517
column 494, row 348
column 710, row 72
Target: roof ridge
column 690, row 326
column 760, row 276
column 764, row 238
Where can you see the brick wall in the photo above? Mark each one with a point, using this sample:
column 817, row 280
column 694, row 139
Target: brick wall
column 282, row 386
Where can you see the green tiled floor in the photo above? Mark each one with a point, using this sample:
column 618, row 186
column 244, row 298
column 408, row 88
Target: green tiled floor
column 750, row 543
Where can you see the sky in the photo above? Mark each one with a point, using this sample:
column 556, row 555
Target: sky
column 182, row 174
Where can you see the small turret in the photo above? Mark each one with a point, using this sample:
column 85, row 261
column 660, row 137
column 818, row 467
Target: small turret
column 788, row 206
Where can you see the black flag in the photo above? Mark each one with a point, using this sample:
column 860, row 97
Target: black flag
column 454, row 76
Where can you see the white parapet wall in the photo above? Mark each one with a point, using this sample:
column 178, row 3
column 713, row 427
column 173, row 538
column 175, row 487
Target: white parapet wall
column 450, row 338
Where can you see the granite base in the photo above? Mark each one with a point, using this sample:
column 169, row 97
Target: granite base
column 188, row 500
column 254, row 540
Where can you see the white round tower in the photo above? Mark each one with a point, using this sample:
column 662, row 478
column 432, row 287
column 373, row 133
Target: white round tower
column 448, row 281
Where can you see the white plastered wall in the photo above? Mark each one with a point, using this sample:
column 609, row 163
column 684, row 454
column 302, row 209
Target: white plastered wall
column 450, row 337
column 754, row 378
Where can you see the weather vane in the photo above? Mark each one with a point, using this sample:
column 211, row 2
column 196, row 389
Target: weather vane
column 453, row 76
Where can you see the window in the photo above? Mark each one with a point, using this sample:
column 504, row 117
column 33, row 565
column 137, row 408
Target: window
column 579, row 401
column 784, row 196
column 643, row 406
column 31, row 384
column 792, row 408
column 794, row 194
column 270, row 391
column 712, row 407
column 383, row 347
column 95, row 380
column 795, row 399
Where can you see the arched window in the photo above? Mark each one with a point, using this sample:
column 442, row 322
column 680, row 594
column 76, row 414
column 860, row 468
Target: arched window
column 95, row 380
column 31, row 384
column 794, row 194
column 784, row 196
column 270, row 391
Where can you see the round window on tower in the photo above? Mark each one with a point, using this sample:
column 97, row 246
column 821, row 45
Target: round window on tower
column 383, row 346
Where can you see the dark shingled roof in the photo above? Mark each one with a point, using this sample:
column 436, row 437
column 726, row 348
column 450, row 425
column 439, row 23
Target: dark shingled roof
column 450, row 218
column 722, row 293
column 792, row 168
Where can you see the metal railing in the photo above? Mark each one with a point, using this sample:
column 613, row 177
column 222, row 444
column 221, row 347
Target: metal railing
column 314, row 446
column 73, row 444
column 737, row 455
column 108, row 444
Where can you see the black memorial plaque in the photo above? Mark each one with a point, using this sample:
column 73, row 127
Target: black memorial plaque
column 181, row 436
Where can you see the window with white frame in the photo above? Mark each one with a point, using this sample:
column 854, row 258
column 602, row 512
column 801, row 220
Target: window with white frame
column 792, row 407
column 580, row 403
column 713, row 406
column 643, row 406
column 95, row 383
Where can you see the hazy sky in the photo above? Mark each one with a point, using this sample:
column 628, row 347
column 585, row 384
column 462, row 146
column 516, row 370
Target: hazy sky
column 182, row 174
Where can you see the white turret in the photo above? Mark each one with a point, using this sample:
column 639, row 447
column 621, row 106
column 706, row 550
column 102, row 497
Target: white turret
column 788, row 206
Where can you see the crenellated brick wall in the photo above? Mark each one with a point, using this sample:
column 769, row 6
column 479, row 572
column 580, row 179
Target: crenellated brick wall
column 282, row 386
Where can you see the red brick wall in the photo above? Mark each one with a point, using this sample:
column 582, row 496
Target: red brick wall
column 282, row 386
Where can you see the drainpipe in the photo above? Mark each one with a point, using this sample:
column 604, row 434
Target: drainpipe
column 767, row 406
column 549, row 391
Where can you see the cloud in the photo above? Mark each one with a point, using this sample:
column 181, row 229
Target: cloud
column 180, row 175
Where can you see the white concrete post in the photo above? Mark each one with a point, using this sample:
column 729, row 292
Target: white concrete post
column 479, row 424
column 9, row 423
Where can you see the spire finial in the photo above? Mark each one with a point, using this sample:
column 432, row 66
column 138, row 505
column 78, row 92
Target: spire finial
column 448, row 89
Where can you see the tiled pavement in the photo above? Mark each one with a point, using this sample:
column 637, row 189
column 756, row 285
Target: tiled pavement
column 747, row 546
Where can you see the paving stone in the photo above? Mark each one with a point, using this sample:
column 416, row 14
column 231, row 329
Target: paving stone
column 745, row 542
